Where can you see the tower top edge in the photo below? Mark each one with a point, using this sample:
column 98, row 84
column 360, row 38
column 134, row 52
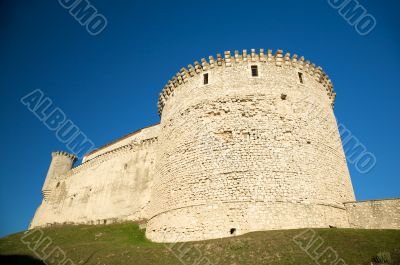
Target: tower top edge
column 279, row 59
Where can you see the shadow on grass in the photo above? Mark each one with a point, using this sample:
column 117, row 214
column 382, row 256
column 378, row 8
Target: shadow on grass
column 20, row 260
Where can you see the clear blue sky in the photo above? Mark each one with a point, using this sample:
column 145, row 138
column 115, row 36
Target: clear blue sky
column 108, row 84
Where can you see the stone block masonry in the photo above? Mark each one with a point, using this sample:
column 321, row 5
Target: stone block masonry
column 374, row 214
column 112, row 186
column 236, row 151
column 246, row 157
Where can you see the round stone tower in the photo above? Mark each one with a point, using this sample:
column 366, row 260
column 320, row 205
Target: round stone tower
column 248, row 142
column 61, row 163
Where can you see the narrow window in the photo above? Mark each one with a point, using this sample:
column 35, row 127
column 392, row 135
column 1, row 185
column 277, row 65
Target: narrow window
column 205, row 79
column 301, row 77
column 254, row 70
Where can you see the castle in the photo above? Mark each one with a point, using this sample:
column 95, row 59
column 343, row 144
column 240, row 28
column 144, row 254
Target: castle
column 246, row 142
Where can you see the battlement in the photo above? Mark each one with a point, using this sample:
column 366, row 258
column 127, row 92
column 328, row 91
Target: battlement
column 278, row 59
column 237, row 150
column 112, row 153
column 62, row 153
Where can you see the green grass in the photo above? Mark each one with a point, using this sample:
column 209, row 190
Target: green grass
column 126, row 244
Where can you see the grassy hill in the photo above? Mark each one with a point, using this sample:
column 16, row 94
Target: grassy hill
column 126, row 244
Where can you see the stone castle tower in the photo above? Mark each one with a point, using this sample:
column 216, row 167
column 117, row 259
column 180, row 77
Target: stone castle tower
column 241, row 151
column 61, row 163
column 247, row 142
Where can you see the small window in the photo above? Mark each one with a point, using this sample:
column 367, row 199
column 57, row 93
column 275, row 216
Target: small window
column 301, row 77
column 205, row 79
column 254, row 70
column 233, row 231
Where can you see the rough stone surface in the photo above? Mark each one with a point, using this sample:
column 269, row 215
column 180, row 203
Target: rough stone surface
column 240, row 153
column 113, row 186
column 60, row 164
column 135, row 137
column 246, row 157
column 374, row 214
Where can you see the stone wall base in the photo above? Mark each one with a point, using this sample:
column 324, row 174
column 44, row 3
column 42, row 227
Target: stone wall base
column 374, row 214
column 220, row 220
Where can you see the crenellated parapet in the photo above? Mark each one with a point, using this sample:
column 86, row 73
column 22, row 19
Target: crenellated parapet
column 248, row 142
column 62, row 153
column 61, row 163
column 131, row 147
column 279, row 59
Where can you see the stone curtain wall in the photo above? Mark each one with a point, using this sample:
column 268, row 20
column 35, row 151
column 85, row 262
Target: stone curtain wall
column 244, row 152
column 374, row 214
column 241, row 153
column 133, row 138
column 112, row 187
